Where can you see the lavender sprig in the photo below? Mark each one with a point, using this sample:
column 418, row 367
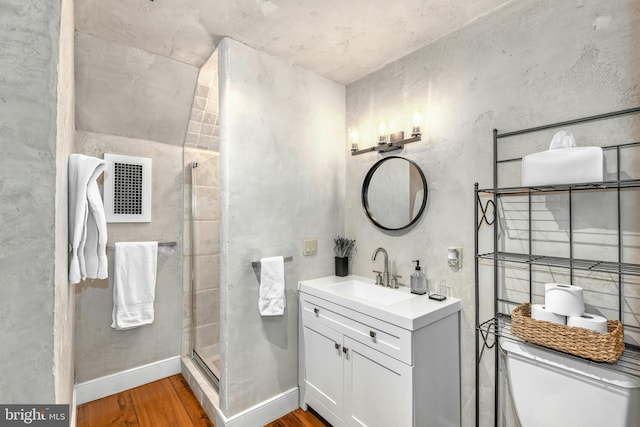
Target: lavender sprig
column 343, row 246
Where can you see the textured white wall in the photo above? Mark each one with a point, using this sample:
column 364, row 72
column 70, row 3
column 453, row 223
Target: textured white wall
column 127, row 91
column 282, row 180
column 29, row 41
column 528, row 63
column 133, row 102
column 99, row 349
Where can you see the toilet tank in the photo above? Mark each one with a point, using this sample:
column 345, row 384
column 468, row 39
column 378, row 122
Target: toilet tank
column 550, row 389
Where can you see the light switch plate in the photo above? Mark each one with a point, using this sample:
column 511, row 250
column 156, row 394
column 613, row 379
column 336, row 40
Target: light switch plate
column 310, row 247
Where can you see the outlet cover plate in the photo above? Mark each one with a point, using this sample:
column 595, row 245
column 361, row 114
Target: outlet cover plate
column 310, row 247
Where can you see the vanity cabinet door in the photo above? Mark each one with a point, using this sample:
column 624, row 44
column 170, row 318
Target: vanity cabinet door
column 324, row 366
column 378, row 389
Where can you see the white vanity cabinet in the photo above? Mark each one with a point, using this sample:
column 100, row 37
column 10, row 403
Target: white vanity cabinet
column 359, row 370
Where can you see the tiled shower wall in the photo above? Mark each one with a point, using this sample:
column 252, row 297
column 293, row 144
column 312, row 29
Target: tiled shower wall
column 204, row 129
column 201, row 146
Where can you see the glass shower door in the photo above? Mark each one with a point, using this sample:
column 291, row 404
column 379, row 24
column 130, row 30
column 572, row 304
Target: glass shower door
column 204, row 263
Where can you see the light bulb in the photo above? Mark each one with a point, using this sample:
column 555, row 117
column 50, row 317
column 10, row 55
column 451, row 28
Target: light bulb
column 355, row 137
column 383, row 133
column 416, row 119
column 416, row 124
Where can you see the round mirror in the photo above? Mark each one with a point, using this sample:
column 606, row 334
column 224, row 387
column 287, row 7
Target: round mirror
column 394, row 193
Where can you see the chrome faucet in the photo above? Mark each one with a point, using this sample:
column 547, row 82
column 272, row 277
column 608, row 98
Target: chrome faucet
column 385, row 272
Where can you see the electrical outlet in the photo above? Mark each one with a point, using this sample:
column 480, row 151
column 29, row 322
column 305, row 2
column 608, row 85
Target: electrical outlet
column 310, row 247
column 454, row 257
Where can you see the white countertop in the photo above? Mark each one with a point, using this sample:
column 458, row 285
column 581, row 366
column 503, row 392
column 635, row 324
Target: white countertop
column 412, row 314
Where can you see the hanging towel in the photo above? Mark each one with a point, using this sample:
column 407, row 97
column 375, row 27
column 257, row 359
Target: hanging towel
column 271, row 301
column 87, row 223
column 134, row 284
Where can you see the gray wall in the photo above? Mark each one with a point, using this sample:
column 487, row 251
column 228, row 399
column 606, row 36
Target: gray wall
column 528, row 63
column 35, row 135
column 282, row 180
column 137, row 103
column 127, row 91
column 99, row 349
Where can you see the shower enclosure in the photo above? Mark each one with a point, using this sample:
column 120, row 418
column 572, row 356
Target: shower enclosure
column 204, row 256
column 201, row 225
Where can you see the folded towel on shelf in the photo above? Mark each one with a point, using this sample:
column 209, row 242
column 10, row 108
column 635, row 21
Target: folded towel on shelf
column 272, row 301
column 134, row 284
column 87, row 223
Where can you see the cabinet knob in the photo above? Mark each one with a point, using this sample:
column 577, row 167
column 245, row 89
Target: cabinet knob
column 316, row 311
column 345, row 350
column 338, row 348
column 372, row 334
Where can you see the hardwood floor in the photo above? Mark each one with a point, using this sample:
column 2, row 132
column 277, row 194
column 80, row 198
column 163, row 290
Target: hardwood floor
column 168, row 402
column 165, row 403
column 298, row 418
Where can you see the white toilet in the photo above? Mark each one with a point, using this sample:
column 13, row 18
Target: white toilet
column 550, row 390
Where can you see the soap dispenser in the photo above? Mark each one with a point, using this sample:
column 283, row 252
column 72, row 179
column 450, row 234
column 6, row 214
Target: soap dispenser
column 418, row 280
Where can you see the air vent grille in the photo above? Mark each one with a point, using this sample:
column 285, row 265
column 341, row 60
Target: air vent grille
column 127, row 189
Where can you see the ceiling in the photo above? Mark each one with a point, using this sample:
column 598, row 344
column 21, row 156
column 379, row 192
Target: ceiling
column 342, row 40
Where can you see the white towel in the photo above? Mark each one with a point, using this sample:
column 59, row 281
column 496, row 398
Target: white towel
column 271, row 301
column 134, row 284
column 87, row 224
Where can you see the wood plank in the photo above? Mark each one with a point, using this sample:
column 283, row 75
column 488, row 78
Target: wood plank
column 114, row 410
column 158, row 405
column 288, row 420
column 309, row 419
column 298, row 418
column 197, row 414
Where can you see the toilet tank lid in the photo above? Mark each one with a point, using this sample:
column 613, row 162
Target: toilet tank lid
column 593, row 370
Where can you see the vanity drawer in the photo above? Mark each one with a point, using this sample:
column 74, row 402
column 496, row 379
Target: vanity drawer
column 382, row 336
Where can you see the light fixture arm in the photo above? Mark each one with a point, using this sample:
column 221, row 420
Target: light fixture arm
column 396, row 142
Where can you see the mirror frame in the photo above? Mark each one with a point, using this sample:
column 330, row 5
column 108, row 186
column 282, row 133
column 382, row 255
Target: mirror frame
column 365, row 191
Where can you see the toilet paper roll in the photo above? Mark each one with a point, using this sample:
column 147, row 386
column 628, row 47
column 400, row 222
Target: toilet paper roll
column 540, row 312
column 564, row 299
column 589, row 321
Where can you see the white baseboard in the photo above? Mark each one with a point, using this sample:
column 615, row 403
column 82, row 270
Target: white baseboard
column 121, row 381
column 262, row 413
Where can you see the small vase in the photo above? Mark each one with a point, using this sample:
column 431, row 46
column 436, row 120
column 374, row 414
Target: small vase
column 342, row 266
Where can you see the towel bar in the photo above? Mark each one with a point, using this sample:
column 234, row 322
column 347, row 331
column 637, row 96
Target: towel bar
column 257, row 263
column 167, row 244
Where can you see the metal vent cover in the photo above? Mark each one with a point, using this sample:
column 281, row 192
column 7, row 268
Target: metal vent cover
column 127, row 188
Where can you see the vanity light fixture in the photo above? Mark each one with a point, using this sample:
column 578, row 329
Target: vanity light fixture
column 389, row 142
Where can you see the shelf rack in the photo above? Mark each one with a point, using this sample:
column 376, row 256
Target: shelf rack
column 486, row 213
column 500, row 327
column 571, row 263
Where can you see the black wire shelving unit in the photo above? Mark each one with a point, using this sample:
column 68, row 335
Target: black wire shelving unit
column 490, row 331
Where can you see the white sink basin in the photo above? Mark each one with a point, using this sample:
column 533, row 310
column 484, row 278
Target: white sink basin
column 355, row 289
column 395, row 306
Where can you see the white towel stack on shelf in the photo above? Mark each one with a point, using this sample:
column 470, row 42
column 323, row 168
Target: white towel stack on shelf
column 564, row 305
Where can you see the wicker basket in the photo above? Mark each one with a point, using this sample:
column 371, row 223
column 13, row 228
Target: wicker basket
column 569, row 339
